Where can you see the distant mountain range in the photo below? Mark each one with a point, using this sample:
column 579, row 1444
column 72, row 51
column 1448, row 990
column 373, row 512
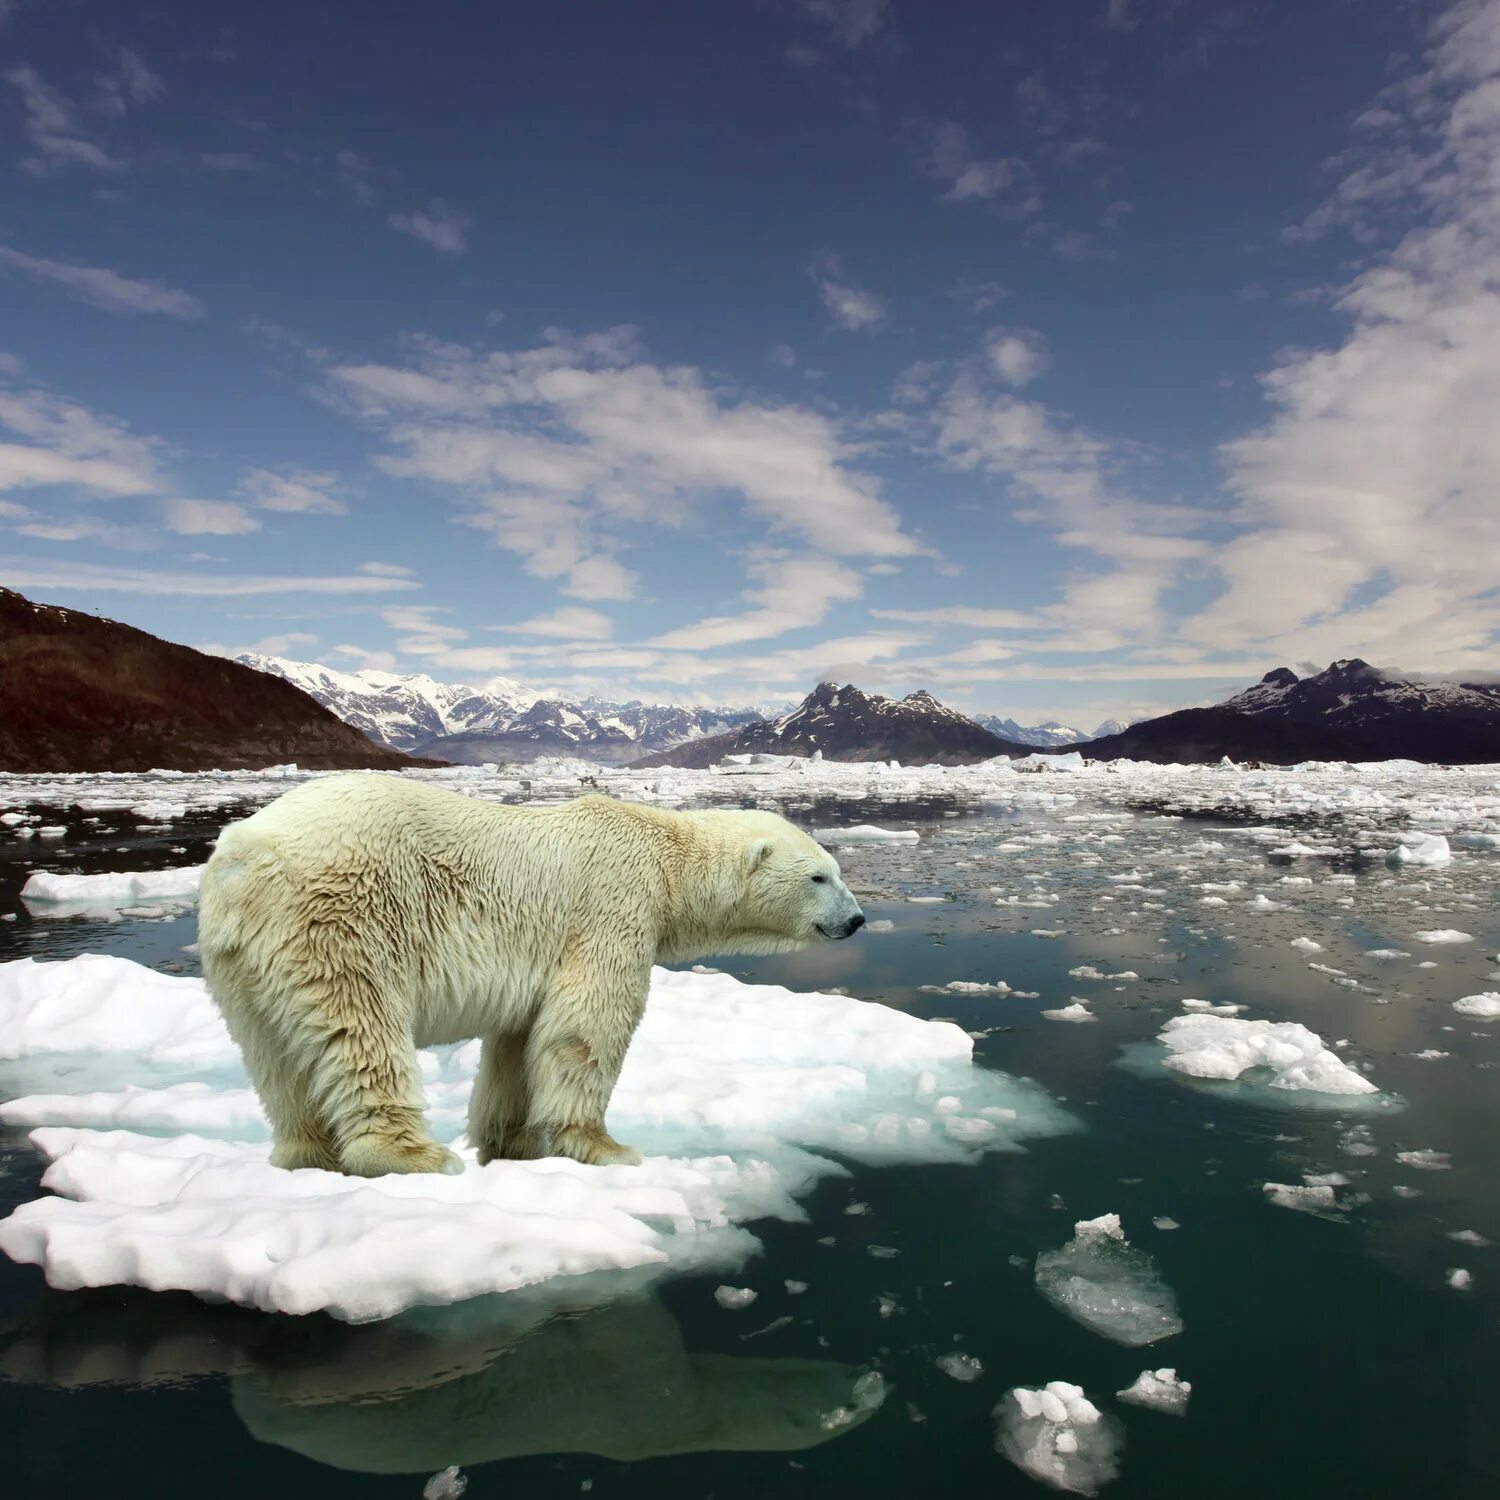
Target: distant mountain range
column 843, row 723
column 80, row 693
column 1048, row 735
column 500, row 722
column 1349, row 711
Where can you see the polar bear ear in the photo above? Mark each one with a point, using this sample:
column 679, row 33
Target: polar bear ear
column 757, row 851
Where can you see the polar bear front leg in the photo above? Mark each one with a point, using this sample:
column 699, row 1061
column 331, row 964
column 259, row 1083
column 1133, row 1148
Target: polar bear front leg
column 573, row 1061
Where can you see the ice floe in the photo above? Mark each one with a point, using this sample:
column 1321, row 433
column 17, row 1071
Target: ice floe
column 1057, row 1435
column 1159, row 1389
column 50, row 895
column 1486, row 1006
column 1109, row 1285
column 1283, row 1054
column 729, row 1089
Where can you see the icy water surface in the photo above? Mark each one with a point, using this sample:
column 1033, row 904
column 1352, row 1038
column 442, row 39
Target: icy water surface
column 1327, row 1352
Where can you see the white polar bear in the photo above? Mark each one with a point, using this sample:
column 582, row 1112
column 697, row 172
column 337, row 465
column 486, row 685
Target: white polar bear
column 359, row 917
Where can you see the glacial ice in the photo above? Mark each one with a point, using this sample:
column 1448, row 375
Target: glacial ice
column 731, row 1090
column 1160, row 1390
column 1109, row 1285
column 49, row 895
column 1076, row 1012
column 1209, row 1046
column 1057, row 1435
column 1486, row 1006
column 1443, row 935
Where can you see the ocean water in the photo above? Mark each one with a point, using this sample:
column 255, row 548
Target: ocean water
column 1327, row 1351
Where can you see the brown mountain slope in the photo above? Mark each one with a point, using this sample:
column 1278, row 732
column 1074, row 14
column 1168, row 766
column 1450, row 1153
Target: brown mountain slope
column 78, row 693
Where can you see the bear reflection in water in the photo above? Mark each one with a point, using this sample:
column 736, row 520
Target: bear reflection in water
column 428, row 1389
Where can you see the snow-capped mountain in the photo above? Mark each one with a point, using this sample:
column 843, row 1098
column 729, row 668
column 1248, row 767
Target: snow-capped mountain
column 502, row 721
column 1112, row 726
column 1047, row 735
column 844, row 723
column 1348, row 711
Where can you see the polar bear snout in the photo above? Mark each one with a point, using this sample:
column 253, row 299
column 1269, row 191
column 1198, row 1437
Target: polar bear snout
column 847, row 930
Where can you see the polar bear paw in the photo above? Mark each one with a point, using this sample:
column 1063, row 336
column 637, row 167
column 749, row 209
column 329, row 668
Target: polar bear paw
column 593, row 1147
column 376, row 1156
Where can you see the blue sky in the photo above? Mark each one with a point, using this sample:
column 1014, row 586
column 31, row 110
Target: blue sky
column 1073, row 359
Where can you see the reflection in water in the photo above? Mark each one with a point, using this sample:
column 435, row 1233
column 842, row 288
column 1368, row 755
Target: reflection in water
column 465, row 1385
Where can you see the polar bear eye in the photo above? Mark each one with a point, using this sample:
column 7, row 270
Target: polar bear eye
column 818, row 879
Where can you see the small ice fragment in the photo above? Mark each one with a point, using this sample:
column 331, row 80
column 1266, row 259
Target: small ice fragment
column 1469, row 1237
column 795, row 1288
column 881, row 924
column 1104, row 1282
column 1421, row 849
column 1160, row 1389
column 1163, row 1222
column 856, row 1210
column 1428, row 1161
column 1077, row 1012
column 1402, row 1191
column 870, row 1391
column 887, row 1305
column 963, row 1367
column 1459, row 1279
column 734, row 1297
column 1307, row 945
column 1310, row 1199
column 448, row 1484
column 882, row 1252
column 1443, row 935
column 1057, row 1435
column 1386, row 955
column 1486, row 1006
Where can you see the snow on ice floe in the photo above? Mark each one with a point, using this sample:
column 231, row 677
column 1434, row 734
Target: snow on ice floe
column 1159, row 1389
column 1443, row 935
column 1486, row 1006
column 1104, row 1282
column 50, row 895
column 1280, row 1055
column 731, row 1090
column 1057, row 1435
column 1421, row 849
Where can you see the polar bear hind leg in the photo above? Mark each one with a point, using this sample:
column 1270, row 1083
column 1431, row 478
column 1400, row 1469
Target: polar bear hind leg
column 501, row 1102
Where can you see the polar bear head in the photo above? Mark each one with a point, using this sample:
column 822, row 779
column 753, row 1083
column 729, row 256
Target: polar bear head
column 779, row 889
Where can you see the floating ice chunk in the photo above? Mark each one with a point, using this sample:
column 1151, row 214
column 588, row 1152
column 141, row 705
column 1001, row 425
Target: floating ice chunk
column 1307, row 945
column 1076, row 1012
column 1469, row 1237
column 1159, row 1389
column 865, row 833
column 1421, row 849
column 1203, row 1046
column 1104, row 1282
column 1206, row 1008
column 447, row 1484
column 1163, row 1222
column 1430, row 1054
column 1443, row 935
column 1057, row 1435
column 1486, row 1005
column 1426, row 1160
column 795, row 1288
column 883, row 924
column 1307, row 1198
column 73, row 895
column 1386, row 955
column 1262, row 902
column 735, row 1297
column 1460, row 1280
column 962, row 1367
column 968, row 987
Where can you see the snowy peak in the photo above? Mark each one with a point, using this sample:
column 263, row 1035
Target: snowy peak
column 1045, row 736
column 846, row 723
column 1351, row 692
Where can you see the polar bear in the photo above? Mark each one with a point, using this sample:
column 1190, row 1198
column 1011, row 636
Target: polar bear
column 359, row 917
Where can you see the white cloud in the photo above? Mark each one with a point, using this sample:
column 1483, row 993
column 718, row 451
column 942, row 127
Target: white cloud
column 568, row 452
column 851, row 23
column 570, row 623
column 793, row 592
column 1018, row 355
column 45, row 573
column 974, row 617
column 852, row 308
column 1369, row 497
column 53, row 128
column 440, row 225
column 385, row 570
column 102, row 287
column 69, row 444
column 91, row 529
column 951, row 157
column 132, row 82
column 300, row 490
column 208, row 518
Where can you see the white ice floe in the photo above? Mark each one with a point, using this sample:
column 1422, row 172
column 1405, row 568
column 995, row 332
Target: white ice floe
column 1159, row 1389
column 49, row 895
column 1291, row 1056
column 1386, row 955
column 1443, row 935
column 1421, row 849
column 1307, row 945
column 1486, row 1006
column 1426, row 1160
column 1057, row 1435
column 1076, row 1013
column 1459, row 1279
column 1104, row 1282
column 1308, row 1198
column 1207, row 1008
column 968, row 987
column 735, row 1297
column 865, row 833
column 960, row 1367
column 729, row 1089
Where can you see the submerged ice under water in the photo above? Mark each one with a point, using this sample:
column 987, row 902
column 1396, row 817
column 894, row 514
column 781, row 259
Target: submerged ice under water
column 850, row 1242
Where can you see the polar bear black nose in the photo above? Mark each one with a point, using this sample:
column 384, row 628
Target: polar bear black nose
column 855, row 923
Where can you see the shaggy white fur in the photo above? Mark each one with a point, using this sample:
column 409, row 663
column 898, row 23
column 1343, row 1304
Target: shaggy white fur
column 359, row 917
